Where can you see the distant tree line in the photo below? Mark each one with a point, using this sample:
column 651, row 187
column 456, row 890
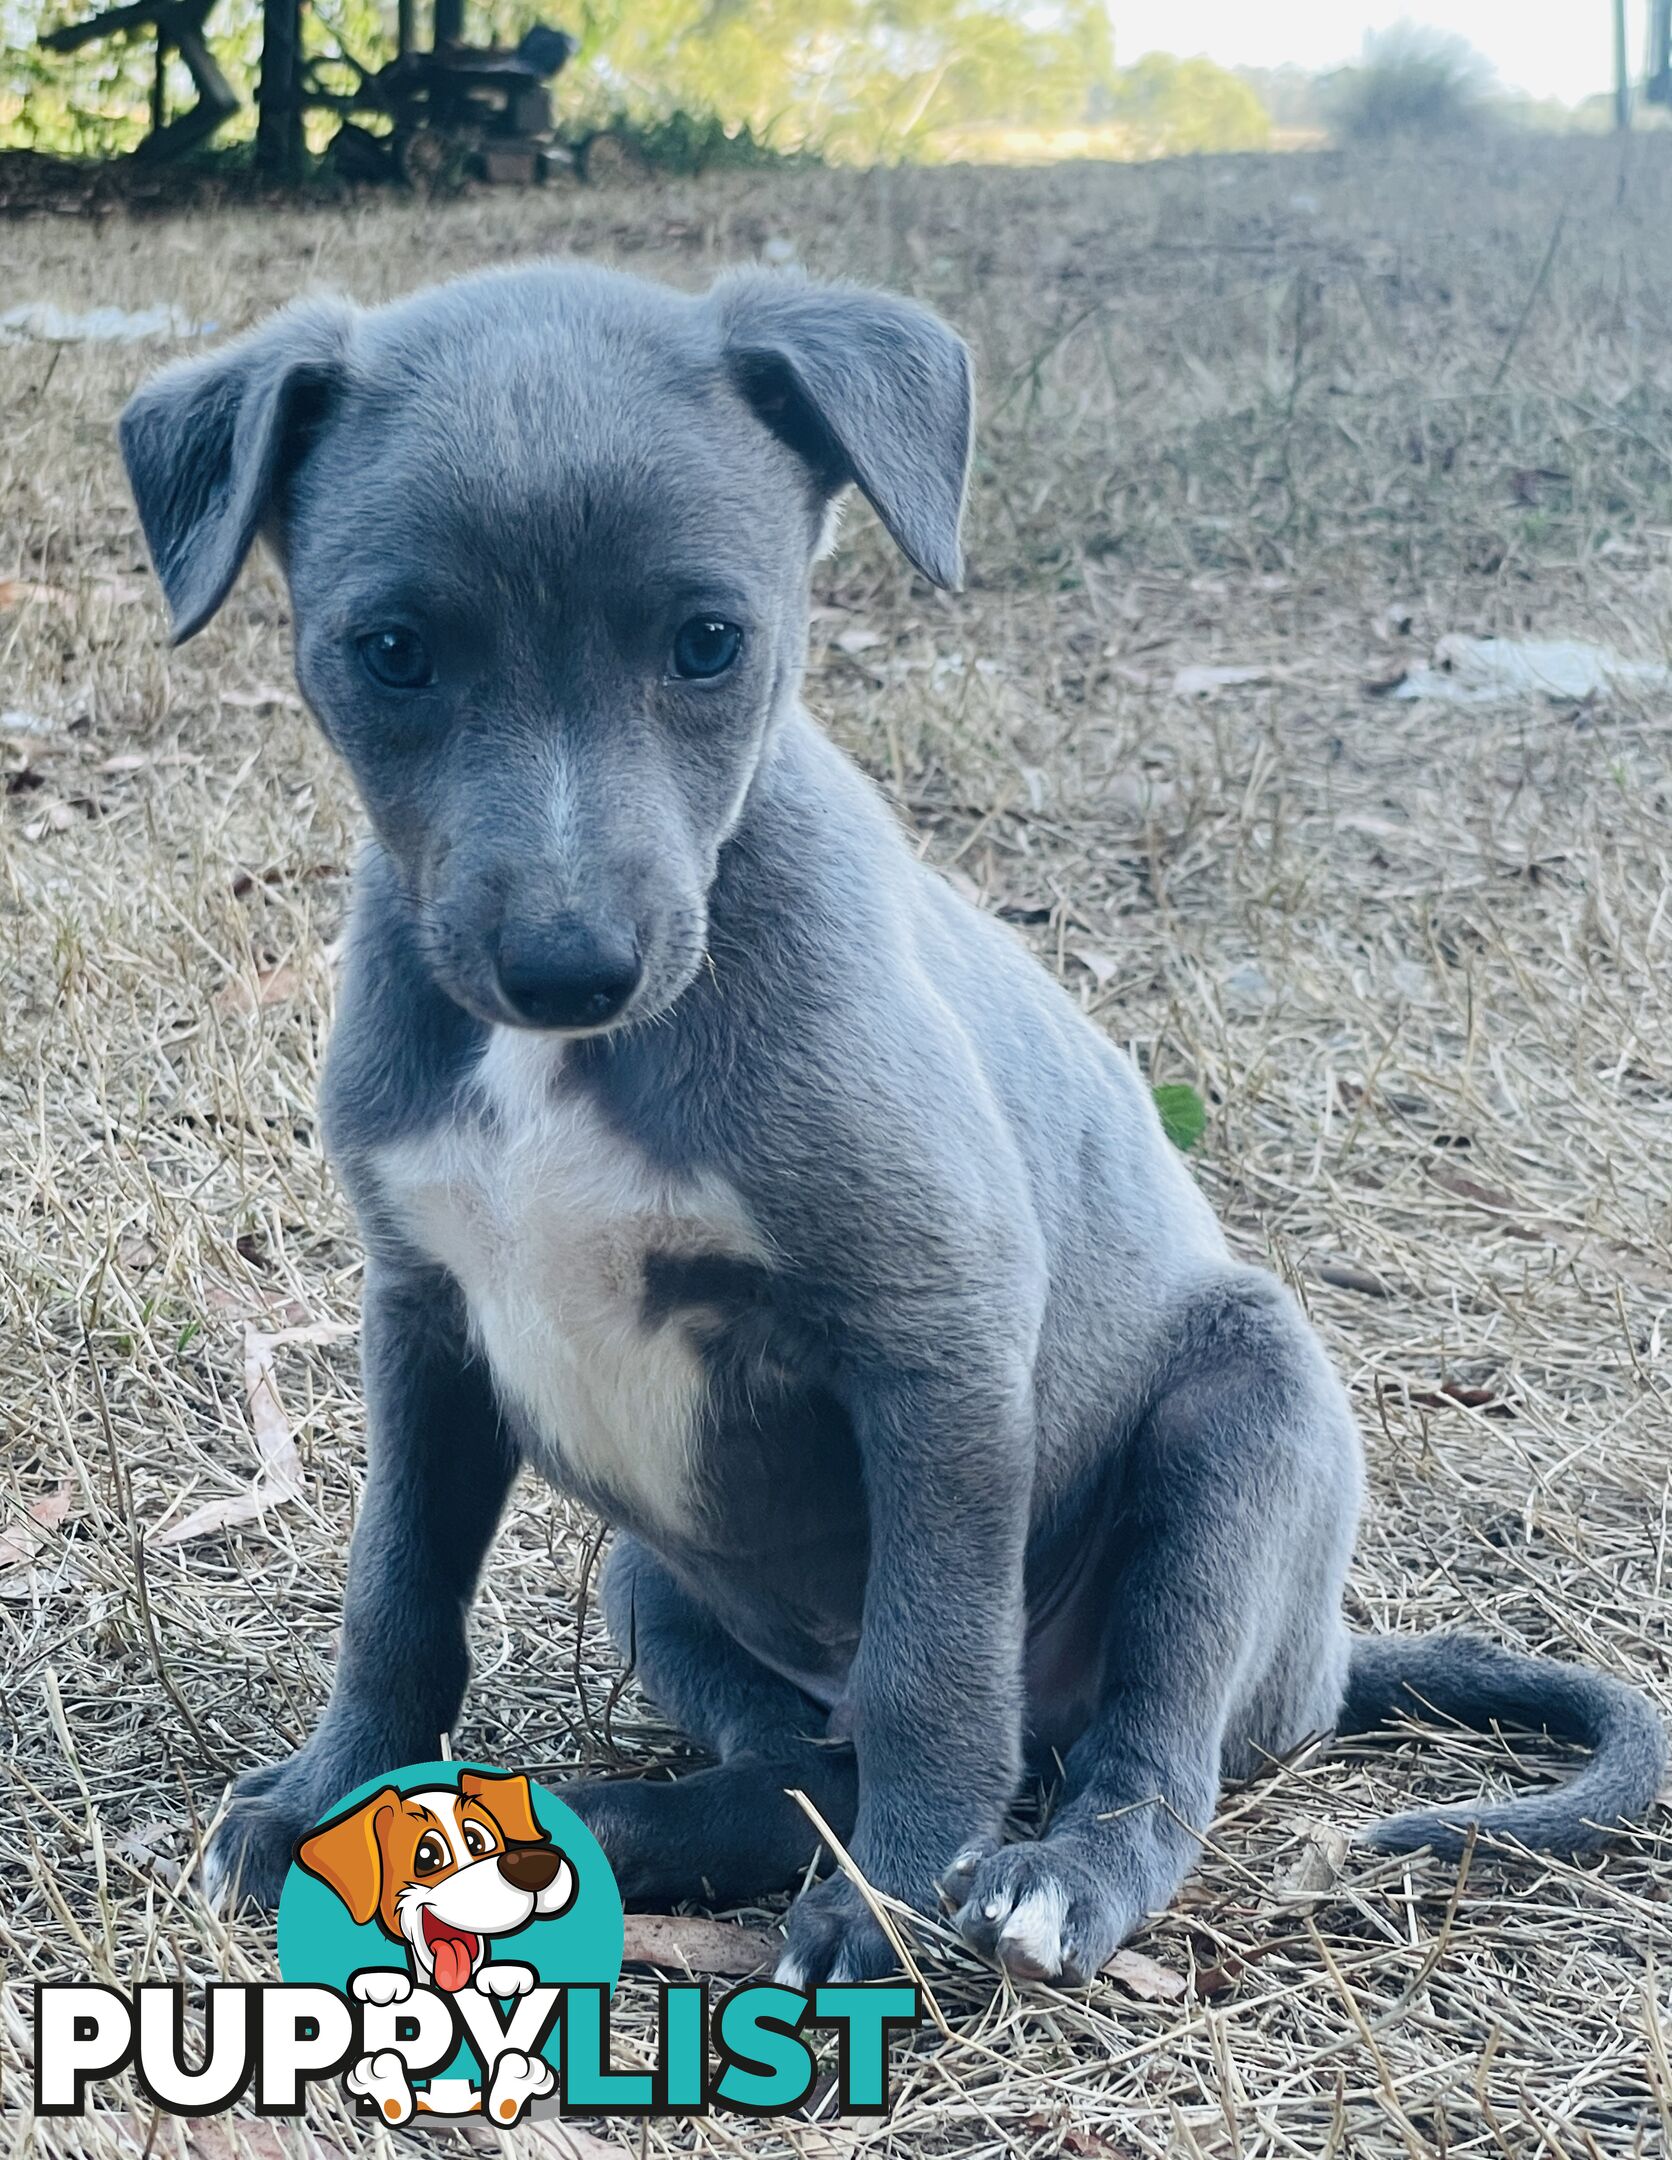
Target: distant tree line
column 850, row 80
column 861, row 81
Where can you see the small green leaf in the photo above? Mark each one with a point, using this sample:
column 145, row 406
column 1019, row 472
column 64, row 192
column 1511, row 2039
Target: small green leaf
column 1184, row 1115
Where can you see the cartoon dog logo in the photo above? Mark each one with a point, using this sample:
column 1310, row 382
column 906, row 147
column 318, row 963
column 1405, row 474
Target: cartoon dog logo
column 443, row 1871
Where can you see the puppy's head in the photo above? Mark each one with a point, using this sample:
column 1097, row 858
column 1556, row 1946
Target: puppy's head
column 444, row 1870
column 548, row 535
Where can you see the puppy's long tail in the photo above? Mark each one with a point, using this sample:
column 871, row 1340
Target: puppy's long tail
column 1478, row 1685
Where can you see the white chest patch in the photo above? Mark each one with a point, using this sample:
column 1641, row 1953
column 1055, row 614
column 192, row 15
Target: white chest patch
column 544, row 1217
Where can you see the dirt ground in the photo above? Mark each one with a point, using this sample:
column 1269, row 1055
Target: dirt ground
column 1298, row 418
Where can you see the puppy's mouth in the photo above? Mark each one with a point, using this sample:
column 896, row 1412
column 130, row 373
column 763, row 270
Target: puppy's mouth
column 455, row 1951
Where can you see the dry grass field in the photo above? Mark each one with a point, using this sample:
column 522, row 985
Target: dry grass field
column 1299, row 418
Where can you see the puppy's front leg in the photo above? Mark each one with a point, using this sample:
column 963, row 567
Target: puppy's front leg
column 934, row 1696
column 438, row 1470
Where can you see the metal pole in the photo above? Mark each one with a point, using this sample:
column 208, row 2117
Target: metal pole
column 1622, row 70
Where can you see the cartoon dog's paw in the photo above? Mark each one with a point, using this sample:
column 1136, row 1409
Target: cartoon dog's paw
column 380, row 1984
column 382, row 2079
column 1041, row 1911
column 831, row 1936
column 505, row 1980
column 517, row 2079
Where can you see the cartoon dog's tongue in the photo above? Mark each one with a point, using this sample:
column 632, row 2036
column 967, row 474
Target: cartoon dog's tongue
column 454, row 1952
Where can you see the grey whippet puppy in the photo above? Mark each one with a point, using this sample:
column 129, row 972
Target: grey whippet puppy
column 715, row 1157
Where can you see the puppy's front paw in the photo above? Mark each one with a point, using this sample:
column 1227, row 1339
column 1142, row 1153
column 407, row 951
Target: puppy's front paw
column 271, row 1808
column 1041, row 1911
column 830, row 1936
column 380, row 1984
column 505, row 1981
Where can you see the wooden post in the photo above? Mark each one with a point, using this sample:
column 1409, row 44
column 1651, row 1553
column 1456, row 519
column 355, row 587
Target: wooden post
column 1622, row 70
column 278, row 135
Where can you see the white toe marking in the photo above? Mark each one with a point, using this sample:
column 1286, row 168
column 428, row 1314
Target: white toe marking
column 790, row 1973
column 380, row 1984
column 504, row 1980
column 1035, row 1927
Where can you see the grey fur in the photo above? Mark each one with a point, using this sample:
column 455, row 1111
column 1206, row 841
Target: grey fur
column 997, row 1455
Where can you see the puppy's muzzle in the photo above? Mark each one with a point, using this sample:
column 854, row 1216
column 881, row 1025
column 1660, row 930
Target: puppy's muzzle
column 567, row 974
column 530, row 1867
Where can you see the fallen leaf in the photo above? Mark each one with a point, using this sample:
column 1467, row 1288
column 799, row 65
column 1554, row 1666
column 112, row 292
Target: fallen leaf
column 856, row 640
column 1077, row 2139
column 309, row 1331
column 126, row 761
column 678, row 1943
column 1143, row 1977
column 271, row 986
column 281, row 1466
column 15, row 592
column 141, row 1843
column 1203, row 681
column 40, row 1519
column 1468, row 1188
column 1317, row 1867
column 1341, row 1277
column 1102, row 966
column 1184, row 1115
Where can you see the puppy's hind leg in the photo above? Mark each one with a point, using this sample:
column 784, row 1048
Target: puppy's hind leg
column 1234, row 1513
column 730, row 1833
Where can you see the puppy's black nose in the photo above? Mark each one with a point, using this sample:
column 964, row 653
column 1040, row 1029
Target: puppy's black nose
column 567, row 975
column 530, row 1867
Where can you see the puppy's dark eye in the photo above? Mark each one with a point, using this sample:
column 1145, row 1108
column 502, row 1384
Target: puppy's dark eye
column 704, row 647
column 399, row 659
column 432, row 1854
column 476, row 1839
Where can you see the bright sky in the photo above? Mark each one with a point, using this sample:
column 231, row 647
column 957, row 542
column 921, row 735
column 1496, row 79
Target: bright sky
column 1552, row 48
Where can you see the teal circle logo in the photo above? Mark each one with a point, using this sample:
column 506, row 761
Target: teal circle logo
column 446, row 1901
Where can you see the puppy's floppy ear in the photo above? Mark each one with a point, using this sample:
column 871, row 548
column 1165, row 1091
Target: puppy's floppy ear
column 347, row 1854
column 207, row 444
column 868, row 389
column 509, row 1801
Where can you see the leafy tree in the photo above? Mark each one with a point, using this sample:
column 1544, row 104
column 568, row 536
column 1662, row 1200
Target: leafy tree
column 1168, row 108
